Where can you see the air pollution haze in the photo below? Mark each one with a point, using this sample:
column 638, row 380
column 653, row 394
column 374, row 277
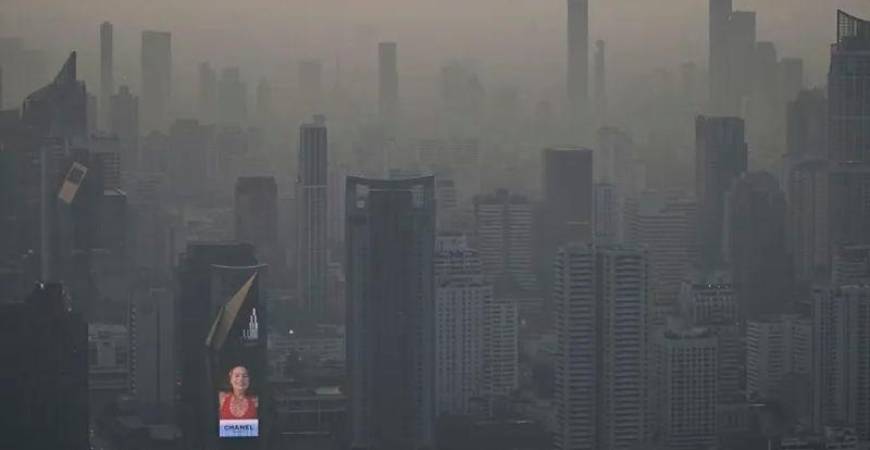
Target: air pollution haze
column 439, row 225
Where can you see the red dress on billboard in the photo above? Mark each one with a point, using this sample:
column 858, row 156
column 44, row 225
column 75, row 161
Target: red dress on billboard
column 246, row 410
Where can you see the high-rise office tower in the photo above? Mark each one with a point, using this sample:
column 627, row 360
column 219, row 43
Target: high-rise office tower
column 208, row 93
column 503, row 227
column 664, row 223
column 156, row 83
column 568, row 193
column 806, row 132
column 199, row 298
column 501, row 350
column 311, row 86
column 578, row 61
column 151, row 324
column 44, row 344
column 459, row 346
column 600, row 296
column 107, row 79
column 841, row 357
column 756, row 243
column 790, row 78
column 848, row 203
column 600, row 83
column 777, row 348
column 390, row 312
column 124, row 123
column 388, row 87
column 608, row 223
column 741, row 59
column 311, row 197
column 808, row 219
column 264, row 109
column 232, row 98
column 720, row 157
column 686, row 379
column 256, row 210
column 190, row 144
column 849, row 119
column 720, row 15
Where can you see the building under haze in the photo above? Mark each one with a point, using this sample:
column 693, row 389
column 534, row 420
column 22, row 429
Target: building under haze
column 311, row 203
column 256, row 217
column 756, row 243
column 577, row 77
column 600, row 295
column 156, row 81
column 841, row 349
column 123, row 121
column 503, row 229
column 45, row 352
column 388, row 87
column 390, row 312
column 107, row 75
column 720, row 157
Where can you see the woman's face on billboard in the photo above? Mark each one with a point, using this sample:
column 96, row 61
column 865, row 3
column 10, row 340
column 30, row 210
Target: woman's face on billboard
column 239, row 379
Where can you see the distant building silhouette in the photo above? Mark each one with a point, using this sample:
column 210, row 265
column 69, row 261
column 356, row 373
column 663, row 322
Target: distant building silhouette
column 720, row 157
column 107, row 75
column 256, row 214
column 756, row 244
column 232, row 98
column 156, row 82
column 390, row 312
column 124, row 123
column 388, row 87
column 718, row 65
column 207, row 98
column 577, row 89
column 503, row 229
column 311, row 204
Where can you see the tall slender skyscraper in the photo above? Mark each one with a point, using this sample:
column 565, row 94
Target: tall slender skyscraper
column 720, row 157
column 720, row 14
column 600, row 81
column 311, row 195
column 107, row 79
column 388, row 86
column 390, row 312
column 601, row 297
column 849, row 113
column 156, row 87
column 578, row 59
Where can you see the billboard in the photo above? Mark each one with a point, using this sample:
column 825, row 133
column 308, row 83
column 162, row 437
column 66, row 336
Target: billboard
column 238, row 357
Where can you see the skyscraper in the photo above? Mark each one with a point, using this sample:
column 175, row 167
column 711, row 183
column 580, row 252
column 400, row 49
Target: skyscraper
column 44, row 345
column 311, row 197
column 107, row 79
column 200, row 296
column 156, row 83
column 808, row 219
column 686, row 399
column 600, row 296
column 756, row 246
column 578, row 61
column 256, row 210
column 720, row 15
column 388, row 87
column 568, row 193
column 390, row 312
column 777, row 348
column 600, row 81
column 207, row 96
column 503, row 227
column 841, row 363
column 232, row 98
column 124, row 123
column 849, row 72
column 720, row 157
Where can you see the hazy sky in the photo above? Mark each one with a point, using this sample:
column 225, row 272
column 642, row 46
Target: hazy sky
column 515, row 41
